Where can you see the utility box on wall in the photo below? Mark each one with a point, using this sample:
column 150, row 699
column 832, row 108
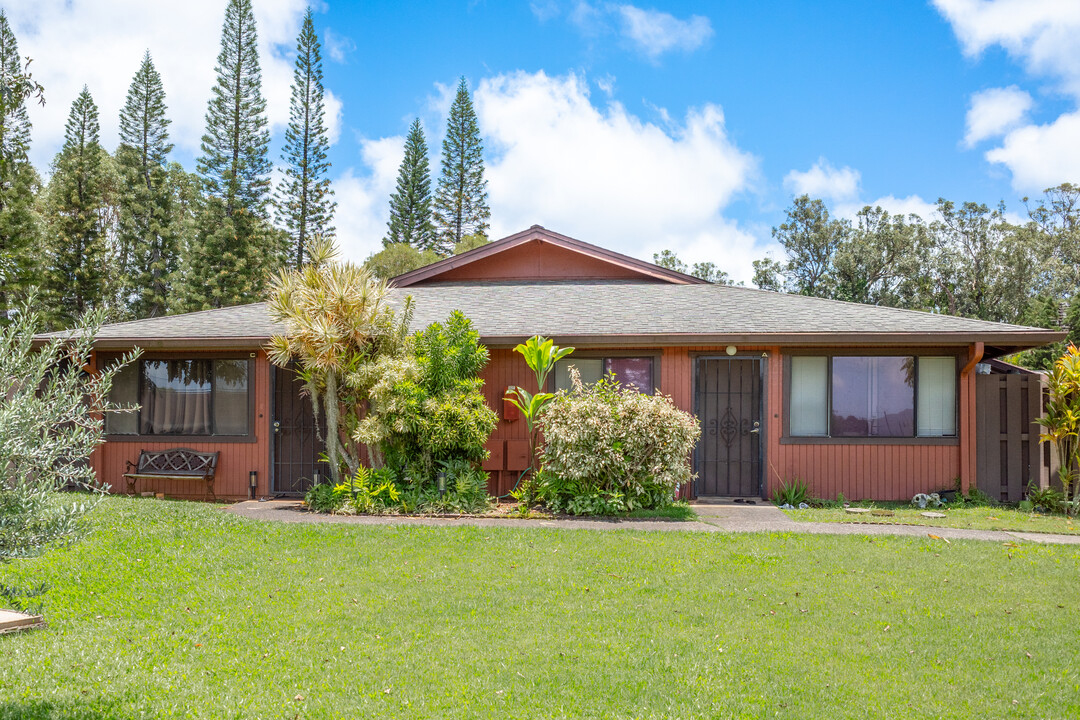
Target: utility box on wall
column 510, row 411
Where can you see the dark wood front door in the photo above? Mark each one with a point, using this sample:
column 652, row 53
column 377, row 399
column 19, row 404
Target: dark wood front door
column 727, row 401
column 296, row 446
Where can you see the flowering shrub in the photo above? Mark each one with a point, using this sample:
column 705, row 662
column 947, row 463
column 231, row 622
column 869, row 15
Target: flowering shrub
column 610, row 449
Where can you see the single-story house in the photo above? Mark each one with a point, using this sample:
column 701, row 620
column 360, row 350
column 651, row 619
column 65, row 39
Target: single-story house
column 871, row 402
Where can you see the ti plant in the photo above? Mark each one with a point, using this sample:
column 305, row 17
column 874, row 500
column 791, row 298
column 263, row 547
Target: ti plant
column 1061, row 421
column 540, row 355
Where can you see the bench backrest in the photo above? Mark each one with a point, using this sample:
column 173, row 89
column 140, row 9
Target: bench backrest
column 177, row 461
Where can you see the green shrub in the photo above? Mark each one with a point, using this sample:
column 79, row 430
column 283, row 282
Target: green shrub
column 1047, row 500
column 326, row 497
column 793, row 493
column 609, row 449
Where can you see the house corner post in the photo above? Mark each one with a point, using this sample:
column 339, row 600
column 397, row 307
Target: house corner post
column 968, row 441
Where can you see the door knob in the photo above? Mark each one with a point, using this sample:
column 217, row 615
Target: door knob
column 277, row 426
column 756, row 429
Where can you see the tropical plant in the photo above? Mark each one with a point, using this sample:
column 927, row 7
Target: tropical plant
column 609, row 448
column 1061, row 421
column 429, row 409
column 338, row 324
column 794, row 492
column 540, row 355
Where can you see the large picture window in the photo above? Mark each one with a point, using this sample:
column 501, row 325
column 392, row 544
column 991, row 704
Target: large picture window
column 634, row 372
column 872, row 396
column 183, row 397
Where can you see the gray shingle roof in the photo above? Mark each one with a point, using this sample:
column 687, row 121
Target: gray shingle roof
column 613, row 313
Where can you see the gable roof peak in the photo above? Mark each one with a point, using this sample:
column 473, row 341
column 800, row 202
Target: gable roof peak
column 618, row 264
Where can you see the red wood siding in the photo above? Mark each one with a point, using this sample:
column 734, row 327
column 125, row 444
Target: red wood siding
column 538, row 260
column 234, row 463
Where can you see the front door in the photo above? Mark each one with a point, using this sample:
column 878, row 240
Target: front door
column 727, row 401
column 297, row 447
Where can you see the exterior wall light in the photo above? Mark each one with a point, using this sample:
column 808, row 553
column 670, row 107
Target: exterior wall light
column 442, row 483
column 731, row 350
column 253, row 483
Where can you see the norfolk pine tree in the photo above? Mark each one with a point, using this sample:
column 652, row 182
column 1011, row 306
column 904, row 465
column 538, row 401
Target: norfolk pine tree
column 304, row 198
column 20, row 227
column 80, row 215
column 234, row 249
column 147, row 232
column 461, row 199
column 410, row 204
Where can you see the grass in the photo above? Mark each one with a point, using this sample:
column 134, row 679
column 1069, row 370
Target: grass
column 977, row 517
column 172, row 609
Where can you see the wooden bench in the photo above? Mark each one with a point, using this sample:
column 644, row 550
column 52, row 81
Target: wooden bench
column 173, row 464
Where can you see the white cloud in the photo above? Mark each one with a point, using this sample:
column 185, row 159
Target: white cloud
column 910, row 205
column 995, row 111
column 1039, row 33
column 607, row 177
column 363, row 199
column 825, row 182
column 76, row 42
column 656, row 33
column 1042, row 156
column 650, row 32
column 337, row 46
column 1041, row 36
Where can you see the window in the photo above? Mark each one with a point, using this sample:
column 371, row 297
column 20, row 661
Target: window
column 629, row 371
column 872, row 396
column 182, row 397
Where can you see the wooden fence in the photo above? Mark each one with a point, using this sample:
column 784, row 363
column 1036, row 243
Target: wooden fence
column 1010, row 455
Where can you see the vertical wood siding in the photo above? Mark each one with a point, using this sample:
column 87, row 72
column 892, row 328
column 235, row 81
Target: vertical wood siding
column 234, row 463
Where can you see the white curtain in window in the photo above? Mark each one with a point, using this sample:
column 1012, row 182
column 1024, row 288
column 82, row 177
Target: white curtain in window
column 809, row 396
column 937, row 396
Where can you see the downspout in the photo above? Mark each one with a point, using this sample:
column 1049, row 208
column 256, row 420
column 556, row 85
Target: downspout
column 968, row 445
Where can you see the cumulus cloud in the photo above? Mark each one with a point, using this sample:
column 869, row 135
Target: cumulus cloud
column 592, row 171
column 656, row 33
column 363, row 197
column 1041, row 36
column 995, row 111
column 77, row 42
column 337, row 46
column 910, row 205
column 825, row 182
column 602, row 174
column 1042, row 156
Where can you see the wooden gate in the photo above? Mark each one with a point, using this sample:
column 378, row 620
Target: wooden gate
column 296, row 446
column 1010, row 455
column 727, row 401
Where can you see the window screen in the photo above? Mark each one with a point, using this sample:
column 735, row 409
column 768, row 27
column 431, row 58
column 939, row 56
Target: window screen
column 937, row 396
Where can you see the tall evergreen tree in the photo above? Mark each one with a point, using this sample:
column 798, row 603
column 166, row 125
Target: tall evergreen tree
column 304, row 199
column 80, row 215
column 234, row 248
column 410, row 204
column 461, row 206
column 147, row 230
column 20, row 229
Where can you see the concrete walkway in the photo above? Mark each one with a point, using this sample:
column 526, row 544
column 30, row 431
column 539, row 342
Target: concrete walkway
column 723, row 516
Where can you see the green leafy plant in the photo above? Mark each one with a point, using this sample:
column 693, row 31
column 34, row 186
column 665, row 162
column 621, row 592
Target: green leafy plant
column 1047, row 500
column 610, row 449
column 791, row 493
column 326, row 497
column 1061, row 423
column 540, row 355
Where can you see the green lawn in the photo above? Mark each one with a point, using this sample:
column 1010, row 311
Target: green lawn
column 976, row 518
column 174, row 609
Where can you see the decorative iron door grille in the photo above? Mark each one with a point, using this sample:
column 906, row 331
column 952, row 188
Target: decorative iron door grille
column 727, row 401
column 296, row 446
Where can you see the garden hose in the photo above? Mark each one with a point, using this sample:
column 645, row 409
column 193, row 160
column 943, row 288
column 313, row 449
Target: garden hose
column 518, row 482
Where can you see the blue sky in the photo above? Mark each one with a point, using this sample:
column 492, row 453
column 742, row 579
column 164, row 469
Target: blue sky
column 638, row 127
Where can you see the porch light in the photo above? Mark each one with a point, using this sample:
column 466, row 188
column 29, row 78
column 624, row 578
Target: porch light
column 253, row 483
column 731, row 350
